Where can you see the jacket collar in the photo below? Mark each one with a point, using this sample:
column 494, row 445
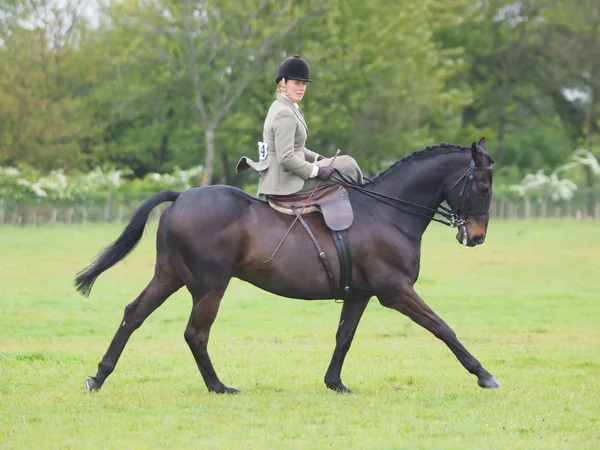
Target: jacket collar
column 290, row 104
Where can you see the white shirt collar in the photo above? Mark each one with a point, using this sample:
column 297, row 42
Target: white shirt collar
column 283, row 94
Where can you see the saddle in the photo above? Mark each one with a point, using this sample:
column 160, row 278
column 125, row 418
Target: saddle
column 333, row 202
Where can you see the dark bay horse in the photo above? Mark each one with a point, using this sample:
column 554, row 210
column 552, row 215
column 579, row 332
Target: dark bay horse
column 210, row 234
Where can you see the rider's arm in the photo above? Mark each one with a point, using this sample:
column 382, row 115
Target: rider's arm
column 284, row 128
column 310, row 155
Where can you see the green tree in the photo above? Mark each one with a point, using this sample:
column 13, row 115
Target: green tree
column 380, row 87
column 572, row 75
column 41, row 118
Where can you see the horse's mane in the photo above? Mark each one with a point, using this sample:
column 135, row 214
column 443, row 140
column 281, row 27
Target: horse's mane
column 427, row 152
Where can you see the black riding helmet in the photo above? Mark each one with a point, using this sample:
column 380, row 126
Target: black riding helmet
column 293, row 68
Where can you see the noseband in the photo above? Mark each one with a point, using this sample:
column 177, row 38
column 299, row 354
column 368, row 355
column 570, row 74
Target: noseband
column 458, row 216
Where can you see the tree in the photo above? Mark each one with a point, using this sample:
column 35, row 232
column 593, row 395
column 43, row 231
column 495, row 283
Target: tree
column 217, row 50
column 380, row 89
column 41, row 119
column 500, row 37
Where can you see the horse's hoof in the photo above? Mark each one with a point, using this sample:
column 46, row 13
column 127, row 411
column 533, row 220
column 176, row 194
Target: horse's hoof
column 339, row 388
column 488, row 383
column 232, row 391
column 225, row 390
column 91, row 385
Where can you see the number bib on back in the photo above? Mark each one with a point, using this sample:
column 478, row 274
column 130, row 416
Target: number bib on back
column 262, row 150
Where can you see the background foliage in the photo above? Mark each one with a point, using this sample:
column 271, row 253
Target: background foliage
column 152, row 86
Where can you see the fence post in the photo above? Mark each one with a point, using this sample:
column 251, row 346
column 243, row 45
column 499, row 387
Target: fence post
column 527, row 208
column 15, row 219
column 69, row 218
column 557, row 211
column 544, row 210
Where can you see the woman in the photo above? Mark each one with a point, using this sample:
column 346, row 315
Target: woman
column 284, row 164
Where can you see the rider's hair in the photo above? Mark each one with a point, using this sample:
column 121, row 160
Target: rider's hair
column 281, row 89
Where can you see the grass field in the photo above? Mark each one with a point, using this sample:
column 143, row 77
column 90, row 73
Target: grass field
column 525, row 303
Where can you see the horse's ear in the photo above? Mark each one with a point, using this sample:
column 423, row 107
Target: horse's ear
column 482, row 143
column 478, row 155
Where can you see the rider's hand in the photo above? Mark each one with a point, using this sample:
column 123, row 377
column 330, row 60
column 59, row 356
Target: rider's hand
column 325, row 173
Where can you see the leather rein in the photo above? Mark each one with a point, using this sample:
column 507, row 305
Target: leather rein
column 452, row 217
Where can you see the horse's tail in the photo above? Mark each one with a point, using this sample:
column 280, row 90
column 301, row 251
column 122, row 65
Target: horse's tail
column 124, row 244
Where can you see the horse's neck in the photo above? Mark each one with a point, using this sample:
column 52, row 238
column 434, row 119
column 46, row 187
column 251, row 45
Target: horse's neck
column 420, row 182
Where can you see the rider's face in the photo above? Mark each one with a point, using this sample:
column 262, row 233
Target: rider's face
column 295, row 90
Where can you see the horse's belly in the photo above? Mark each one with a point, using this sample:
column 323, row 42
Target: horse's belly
column 292, row 285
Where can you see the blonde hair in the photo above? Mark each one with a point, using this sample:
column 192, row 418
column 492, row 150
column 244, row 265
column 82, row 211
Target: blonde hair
column 281, row 89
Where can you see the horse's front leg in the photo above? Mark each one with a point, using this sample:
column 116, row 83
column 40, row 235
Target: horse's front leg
column 352, row 311
column 409, row 303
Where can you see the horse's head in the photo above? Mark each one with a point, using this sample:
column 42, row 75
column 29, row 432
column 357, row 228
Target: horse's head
column 469, row 196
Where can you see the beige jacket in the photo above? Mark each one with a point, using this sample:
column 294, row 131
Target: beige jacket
column 284, row 163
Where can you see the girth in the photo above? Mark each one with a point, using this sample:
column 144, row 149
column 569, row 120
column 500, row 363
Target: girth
column 342, row 245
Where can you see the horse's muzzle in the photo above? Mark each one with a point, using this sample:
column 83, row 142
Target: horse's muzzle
column 471, row 234
column 478, row 240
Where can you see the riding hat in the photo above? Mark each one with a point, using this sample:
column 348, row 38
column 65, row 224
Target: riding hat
column 293, row 68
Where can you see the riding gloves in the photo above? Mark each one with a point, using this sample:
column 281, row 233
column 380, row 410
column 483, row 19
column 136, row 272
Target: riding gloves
column 325, row 173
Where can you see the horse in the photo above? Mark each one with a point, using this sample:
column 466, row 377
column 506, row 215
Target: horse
column 210, row 234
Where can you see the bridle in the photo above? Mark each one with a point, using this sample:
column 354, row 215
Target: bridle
column 451, row 217
column 458, row 216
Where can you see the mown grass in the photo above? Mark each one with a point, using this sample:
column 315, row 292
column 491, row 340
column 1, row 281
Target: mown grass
column 525, row 303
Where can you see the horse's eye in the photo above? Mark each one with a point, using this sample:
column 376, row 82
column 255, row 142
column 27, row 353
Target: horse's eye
column 483, row 190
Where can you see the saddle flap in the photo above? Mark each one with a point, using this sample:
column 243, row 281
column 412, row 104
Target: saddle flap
column 337, row 209
column 332, row 200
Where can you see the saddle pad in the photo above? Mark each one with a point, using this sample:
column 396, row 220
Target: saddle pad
column 289, row 212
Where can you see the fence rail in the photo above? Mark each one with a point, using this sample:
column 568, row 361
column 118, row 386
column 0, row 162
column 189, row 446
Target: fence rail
column 14, row 214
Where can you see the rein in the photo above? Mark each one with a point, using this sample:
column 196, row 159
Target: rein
column 452, row 218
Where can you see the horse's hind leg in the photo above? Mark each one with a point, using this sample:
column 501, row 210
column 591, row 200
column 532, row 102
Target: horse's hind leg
column 352, row 311
column 408, row 302
column 165, row 282
column 204, row 312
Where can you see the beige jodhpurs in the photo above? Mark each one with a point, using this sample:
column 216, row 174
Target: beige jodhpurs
column 344, row 163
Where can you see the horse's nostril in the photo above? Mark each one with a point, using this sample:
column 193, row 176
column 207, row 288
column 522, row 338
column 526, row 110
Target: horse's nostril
column 477, row 240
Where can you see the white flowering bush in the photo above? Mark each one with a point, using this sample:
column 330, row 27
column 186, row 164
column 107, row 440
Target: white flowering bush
column 561, row 189
column 542, row 187
column 25, row 188
column 179, row 179
column 583, row 157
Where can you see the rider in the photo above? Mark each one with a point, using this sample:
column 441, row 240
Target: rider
column 285, row 165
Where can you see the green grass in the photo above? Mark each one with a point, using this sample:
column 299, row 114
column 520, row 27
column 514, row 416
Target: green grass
column 525, row 304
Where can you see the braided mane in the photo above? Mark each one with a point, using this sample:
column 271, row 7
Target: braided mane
column 427, row 152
